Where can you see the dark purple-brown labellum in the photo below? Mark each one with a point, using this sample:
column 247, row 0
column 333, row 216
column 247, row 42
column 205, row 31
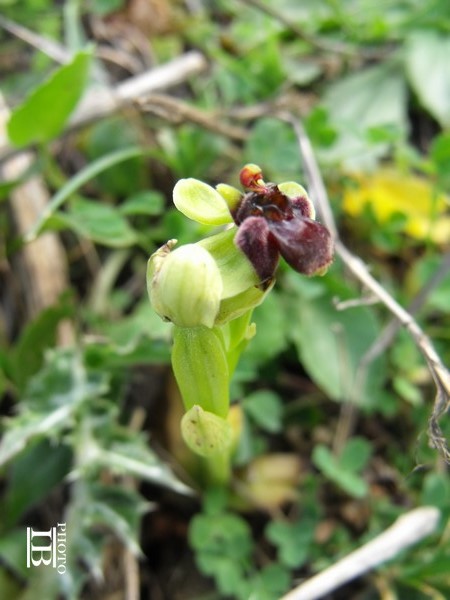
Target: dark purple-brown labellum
column 270, row 223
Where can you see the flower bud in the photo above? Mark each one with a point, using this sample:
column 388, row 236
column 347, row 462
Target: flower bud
column 185, row 286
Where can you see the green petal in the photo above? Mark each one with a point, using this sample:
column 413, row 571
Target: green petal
column 200, row 202
column 294, row 190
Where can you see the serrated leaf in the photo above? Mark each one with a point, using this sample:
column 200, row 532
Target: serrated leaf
column 52, row 397
column 428, row 70
column 43, row 114
column 98, row 222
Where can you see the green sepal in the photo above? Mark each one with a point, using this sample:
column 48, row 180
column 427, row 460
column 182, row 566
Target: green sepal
column 201, row 368
column 234, row 307
column 235, row 269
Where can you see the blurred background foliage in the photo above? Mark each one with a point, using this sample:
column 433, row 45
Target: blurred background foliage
column 90, row 410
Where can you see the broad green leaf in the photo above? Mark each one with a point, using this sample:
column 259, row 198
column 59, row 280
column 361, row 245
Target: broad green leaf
column 148, row 203
column 272, row 145
column 44, row 113
column 32, row 477
column 355, row 454
column 357, row 103
column 330, row 345
column 348, row 480
column 428, row 70
column 293, row 540
column 98, row 222
column 266, row 410
column 272, row 327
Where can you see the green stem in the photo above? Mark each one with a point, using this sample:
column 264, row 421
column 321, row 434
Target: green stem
column 217, row 469
column 90, row 171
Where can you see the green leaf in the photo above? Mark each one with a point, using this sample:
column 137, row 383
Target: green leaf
column 27, row 356
column 293, row 540
column 134, row 458
column 149, row 203
column 428, row 70
column 271, row 326
column 266, row 410
column 374, row 97
column 349, row 481
column 355, row 454
column 330, row 345
column 33, row 476
column 51, row 399
column 43, row 114
column 98, row 222
column 272, row 145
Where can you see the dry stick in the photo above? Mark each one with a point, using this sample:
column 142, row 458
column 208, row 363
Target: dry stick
column 439, row 372
column 405, row 532
column 178, row 111
column 103, row 102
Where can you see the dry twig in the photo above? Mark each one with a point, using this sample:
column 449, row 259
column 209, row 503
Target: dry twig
column 439, row 372
column 405, row 532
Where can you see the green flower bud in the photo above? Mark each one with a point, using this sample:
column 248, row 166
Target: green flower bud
column 185, row 286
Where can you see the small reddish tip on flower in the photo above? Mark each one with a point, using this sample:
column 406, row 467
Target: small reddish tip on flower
column 251, row 178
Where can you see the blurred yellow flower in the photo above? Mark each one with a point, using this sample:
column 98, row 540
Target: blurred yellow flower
column 391, row 192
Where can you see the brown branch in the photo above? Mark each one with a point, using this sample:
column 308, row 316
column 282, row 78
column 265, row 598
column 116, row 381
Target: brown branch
column 177, row 111
column 439, row 372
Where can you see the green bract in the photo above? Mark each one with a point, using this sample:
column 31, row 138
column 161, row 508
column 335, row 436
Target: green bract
column 185, row 285
column 205, row 433
column 200, row 202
